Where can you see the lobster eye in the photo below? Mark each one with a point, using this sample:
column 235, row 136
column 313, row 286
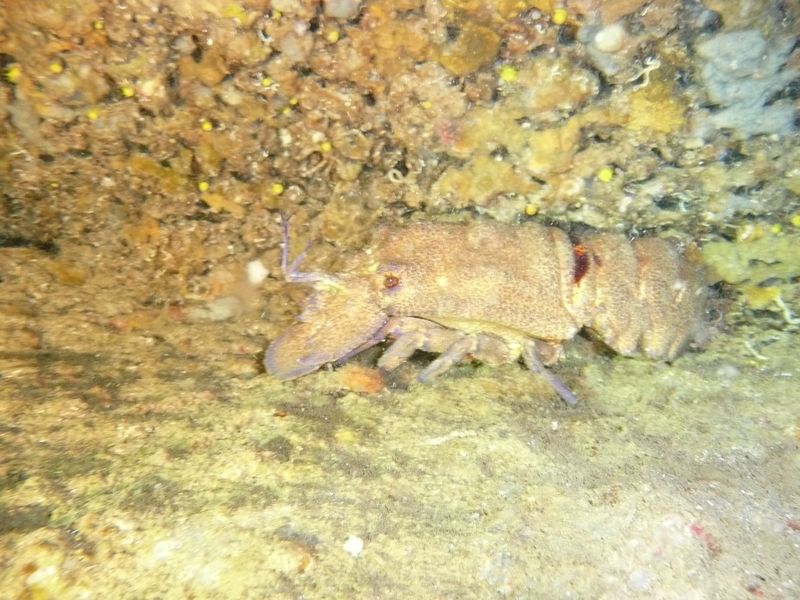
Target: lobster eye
column 390, row 280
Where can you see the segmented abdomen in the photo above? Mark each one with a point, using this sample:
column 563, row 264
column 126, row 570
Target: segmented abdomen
column 649, row 297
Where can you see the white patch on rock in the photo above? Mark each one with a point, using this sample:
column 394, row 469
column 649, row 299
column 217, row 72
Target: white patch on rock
column 256, row 272
column 354, row 545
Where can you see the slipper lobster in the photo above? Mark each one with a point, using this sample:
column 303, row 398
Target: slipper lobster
column 494, row 293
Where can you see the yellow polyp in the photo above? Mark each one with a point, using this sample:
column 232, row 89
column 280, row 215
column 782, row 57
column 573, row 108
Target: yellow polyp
column 12, row 74
column 93, row 113
column 98, row 25
column 531, row 210
column 294, row 101
column 325, row 147
column 234, row 11
column 206, row 125
column 560, row 16
column 203, row 186
column 795, row 220
column 776, row 229
column 266, row 82
column 277, row 189
column 54, row 185
column 56, row 67
column 759, row 298
column 508, row 74
column 605, row 174
column 127, row 91
column 333, row 36
column 286, row 110
column 276, row 14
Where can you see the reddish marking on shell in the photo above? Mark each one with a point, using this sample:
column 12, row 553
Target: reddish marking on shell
column 581, row 266
column 390, row 280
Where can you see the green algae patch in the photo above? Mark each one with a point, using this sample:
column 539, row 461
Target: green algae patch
column 754, row 261
column 64, row 467
column 23, row 519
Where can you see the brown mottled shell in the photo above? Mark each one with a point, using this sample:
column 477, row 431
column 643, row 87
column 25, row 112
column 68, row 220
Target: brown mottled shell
column 644, row 296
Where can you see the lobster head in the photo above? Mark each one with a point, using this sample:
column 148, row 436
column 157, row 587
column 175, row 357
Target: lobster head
column 341, row 318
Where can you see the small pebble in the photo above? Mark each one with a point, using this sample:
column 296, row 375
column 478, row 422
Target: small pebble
column 610, row 38
column 341, row 9
column 256, row 272
column 220, row 309
column 727, row 371
column 354, row 545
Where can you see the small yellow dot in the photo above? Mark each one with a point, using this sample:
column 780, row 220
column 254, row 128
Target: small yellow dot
column 206, row 125
column 12, row 74
column 277, row 189
column 93, row 113
column 202, row 186
column 508, row 74
column 325, row 146
column 127, row 91
column 426, row 105
column 294, row 101
column 531, row 210
column 333, row 36
column 605, row 174
column 559, row 16
column 54, row 185
column 56, row 67
column 266, row 82
column 286, row 110
column 795, row 220
column 276, row 14
column 97, row 24
column 776, row 229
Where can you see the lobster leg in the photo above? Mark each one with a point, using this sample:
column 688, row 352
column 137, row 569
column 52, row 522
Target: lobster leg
column 414, row 334
column 455, row 353
column 530, row 354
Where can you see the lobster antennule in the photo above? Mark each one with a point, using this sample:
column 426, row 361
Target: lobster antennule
column 291, row 272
